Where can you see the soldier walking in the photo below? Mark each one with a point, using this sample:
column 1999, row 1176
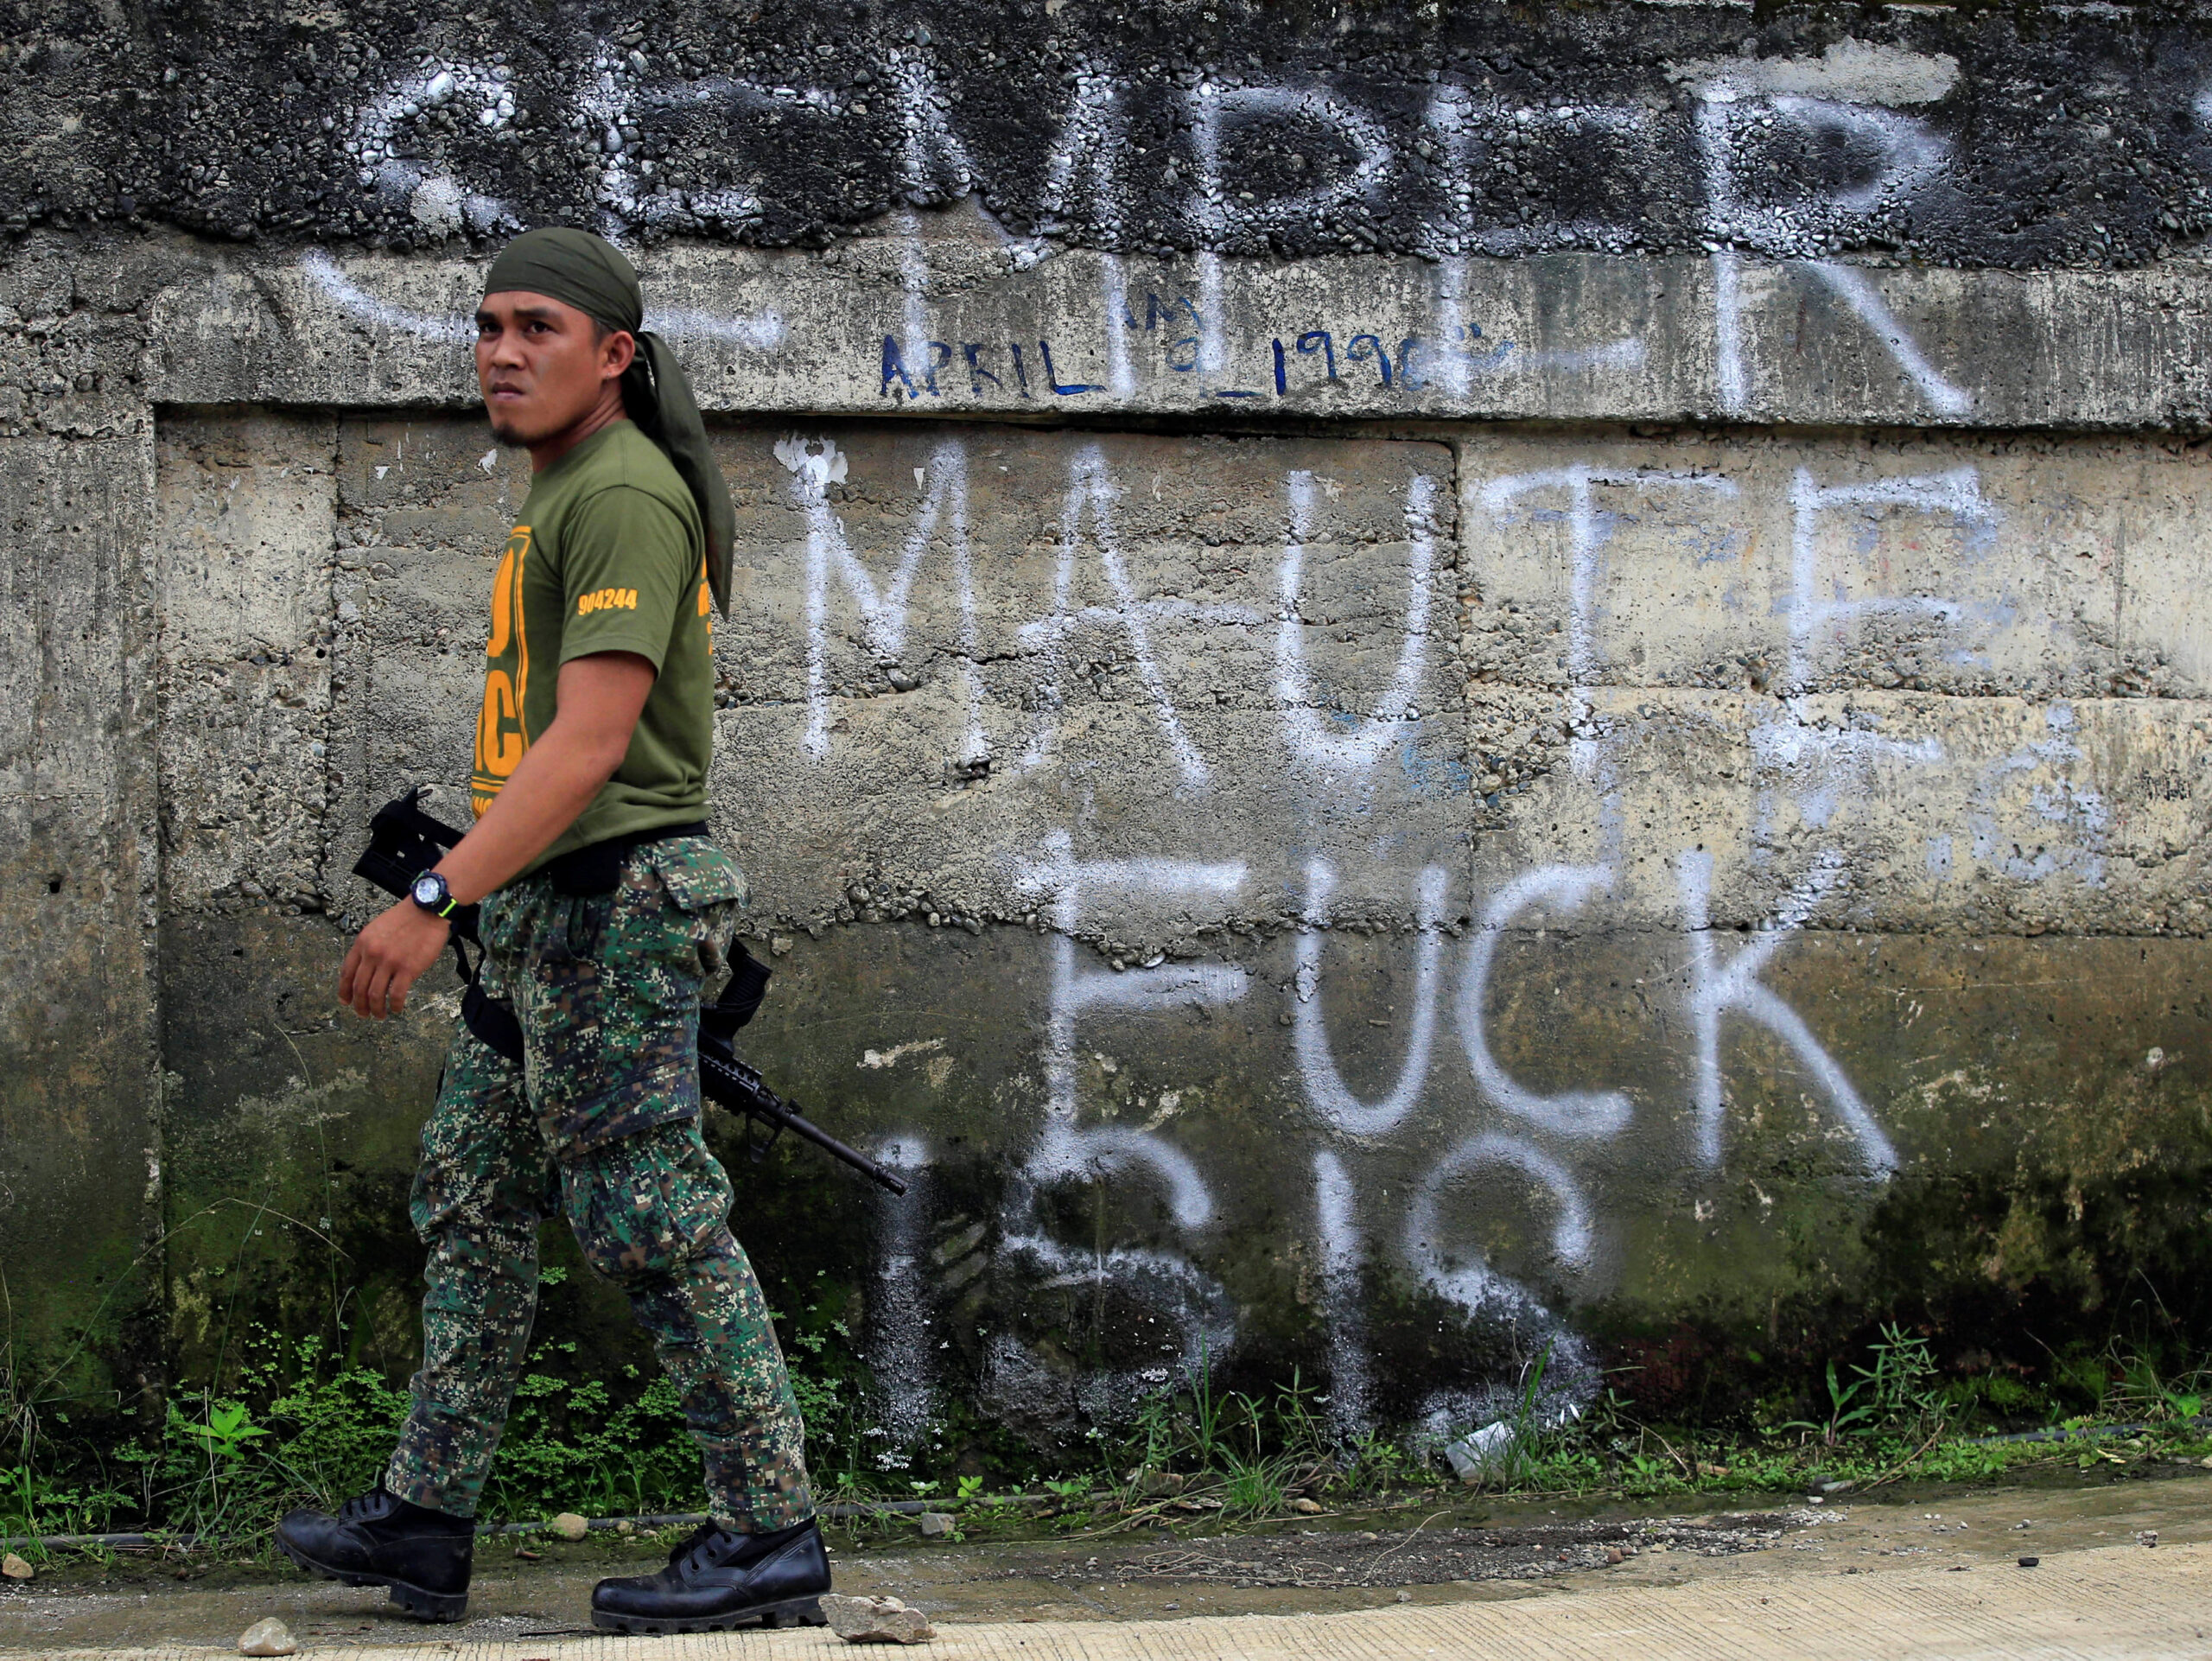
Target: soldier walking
column 606, row 908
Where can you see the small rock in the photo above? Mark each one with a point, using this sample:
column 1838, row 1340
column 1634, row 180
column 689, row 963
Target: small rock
column 2030, row 1562
column 1613, row 1555
column 778, row 945
column 16, row 1569
column 270, row 1637
column 626, row 1526
column 2150, row 1536
column 569, row 1526
column 1306, row 1507
column 1404, row 1596
column 935, row 1525
column 877, row 1621
column 1160, row 1482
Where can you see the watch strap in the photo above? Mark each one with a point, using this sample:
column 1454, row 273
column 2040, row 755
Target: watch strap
column 450, row 905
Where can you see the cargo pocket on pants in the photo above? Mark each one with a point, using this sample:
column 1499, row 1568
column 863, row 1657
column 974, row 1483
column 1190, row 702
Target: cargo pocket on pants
column 708, row 889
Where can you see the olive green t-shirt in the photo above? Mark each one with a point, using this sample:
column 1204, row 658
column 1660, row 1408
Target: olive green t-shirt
column 608, row 557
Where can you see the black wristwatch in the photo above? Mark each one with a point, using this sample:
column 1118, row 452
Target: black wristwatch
column 431, row 892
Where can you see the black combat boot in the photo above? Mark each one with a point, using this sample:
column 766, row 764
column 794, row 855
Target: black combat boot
column 717, row 1578
column 379, row 1539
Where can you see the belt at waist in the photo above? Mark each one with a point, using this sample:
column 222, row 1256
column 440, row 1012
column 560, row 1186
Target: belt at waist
column 597, row 866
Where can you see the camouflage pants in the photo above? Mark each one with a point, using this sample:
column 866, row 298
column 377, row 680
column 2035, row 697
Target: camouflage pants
column 602, row 1121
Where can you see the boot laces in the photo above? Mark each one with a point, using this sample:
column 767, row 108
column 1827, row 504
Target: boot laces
column 369, row 1507
column 698, row 1540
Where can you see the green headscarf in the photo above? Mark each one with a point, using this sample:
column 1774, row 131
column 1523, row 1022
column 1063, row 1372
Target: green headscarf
column 589, row 273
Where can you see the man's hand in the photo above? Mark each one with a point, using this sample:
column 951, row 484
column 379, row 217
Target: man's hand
column 598, row 701
column 390, row 956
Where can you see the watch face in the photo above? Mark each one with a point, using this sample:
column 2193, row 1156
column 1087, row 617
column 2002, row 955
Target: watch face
column 429, row 891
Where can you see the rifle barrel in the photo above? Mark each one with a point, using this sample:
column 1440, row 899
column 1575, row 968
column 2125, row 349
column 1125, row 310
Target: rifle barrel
column 748, row 1096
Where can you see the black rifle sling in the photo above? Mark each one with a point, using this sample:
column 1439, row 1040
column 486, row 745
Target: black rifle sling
column 740, row 995
column 493, row 1021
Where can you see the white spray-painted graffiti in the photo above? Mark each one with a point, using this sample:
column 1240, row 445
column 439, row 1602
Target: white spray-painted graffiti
column 1732, row 114
column 1590, row 535
column 813, row 468
column 1469, row 135
column 1956, row 495
column 1195, row 1307
column 1325, row 1085
column 1201, row 1316
column 760, row 332
column 1091, row 492
column 1311, row 740
column 901, row 1320
column 1535, row 1141
column 1574, row 1114
column 1715, row 991
column 1344, row 1256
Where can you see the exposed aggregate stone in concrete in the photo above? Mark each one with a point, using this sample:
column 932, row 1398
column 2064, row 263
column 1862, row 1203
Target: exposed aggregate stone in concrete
column 1999, row 135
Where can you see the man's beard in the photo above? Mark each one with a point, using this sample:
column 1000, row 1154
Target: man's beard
column 508, row 433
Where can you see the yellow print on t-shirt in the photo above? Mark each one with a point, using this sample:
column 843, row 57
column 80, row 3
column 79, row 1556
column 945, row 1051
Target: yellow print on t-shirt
column 502, row 740
column 606, row 600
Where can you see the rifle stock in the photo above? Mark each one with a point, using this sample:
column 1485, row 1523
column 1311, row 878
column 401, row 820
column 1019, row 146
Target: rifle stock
column 405, row 842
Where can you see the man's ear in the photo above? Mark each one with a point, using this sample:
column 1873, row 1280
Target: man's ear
column 616, row 352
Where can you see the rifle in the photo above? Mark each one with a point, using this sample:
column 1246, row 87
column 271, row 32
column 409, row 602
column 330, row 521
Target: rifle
column 405, row 842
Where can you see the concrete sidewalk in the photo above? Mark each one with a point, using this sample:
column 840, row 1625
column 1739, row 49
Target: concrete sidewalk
column 2115, row 1602
column 2124, row 1570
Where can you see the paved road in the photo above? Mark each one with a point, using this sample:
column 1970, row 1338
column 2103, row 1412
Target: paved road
column 1921, row 1579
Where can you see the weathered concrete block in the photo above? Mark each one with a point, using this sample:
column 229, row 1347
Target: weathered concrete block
column 1132, row 801
column 940, row 315
column 1901, row 810
column 80, row 1152
column 245, row 564
column 1791, row 566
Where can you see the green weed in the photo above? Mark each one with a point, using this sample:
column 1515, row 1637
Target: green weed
column 33, row 1505
column 299, row 1425
column 1900, row 1390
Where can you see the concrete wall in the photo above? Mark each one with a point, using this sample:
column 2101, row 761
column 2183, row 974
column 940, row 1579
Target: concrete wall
column 1616, row 764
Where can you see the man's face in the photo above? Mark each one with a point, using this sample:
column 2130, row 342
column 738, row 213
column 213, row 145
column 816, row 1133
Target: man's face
column 542, row 364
